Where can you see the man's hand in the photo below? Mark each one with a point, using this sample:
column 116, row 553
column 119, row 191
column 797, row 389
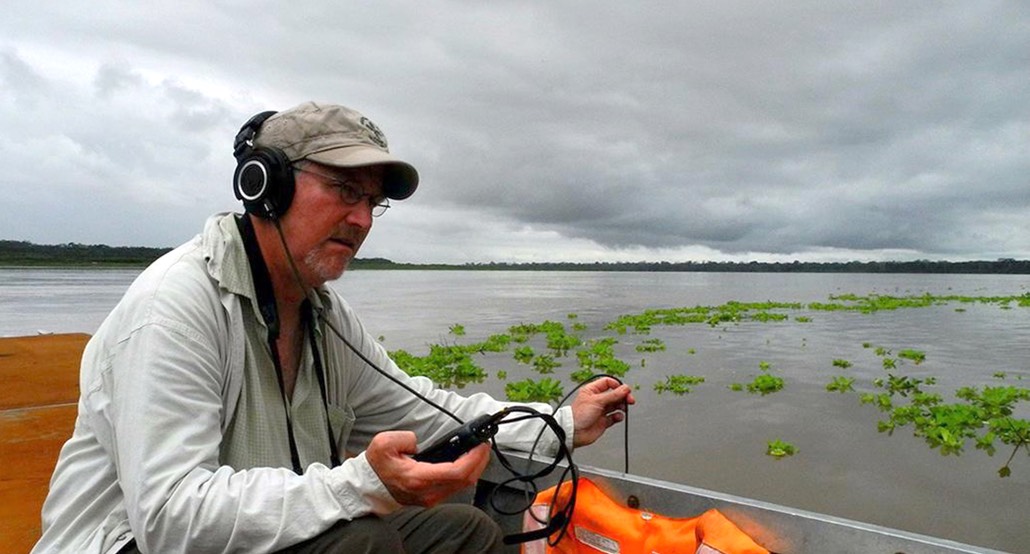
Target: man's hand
column 419, row 484
column 599, row 405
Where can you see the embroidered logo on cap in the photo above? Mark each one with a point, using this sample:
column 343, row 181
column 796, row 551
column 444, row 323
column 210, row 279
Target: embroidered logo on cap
column 374, row 133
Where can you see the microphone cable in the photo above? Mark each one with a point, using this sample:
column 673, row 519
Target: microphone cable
column 321, row 317
column 558, row 520
column 564, row 514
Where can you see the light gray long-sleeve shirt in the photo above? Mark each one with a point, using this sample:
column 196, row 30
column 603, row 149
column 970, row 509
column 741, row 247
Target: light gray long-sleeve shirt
column 161, row 382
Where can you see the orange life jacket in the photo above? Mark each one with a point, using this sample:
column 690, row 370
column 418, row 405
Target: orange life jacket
column 599, row 524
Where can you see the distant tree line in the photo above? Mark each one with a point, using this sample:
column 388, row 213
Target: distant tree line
column 21, row 253
column 1004, row 265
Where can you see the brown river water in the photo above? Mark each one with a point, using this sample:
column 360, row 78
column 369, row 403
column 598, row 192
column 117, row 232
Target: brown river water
column 714, row 437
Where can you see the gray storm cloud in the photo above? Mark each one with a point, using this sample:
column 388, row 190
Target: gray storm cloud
column 743, row 129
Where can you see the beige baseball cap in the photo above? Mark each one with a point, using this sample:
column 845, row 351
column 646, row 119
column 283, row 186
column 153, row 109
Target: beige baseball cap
column 340, row 137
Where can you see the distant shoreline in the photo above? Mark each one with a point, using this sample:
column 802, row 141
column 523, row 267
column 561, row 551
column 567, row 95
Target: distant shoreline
column 957, row 268
column 81, row 256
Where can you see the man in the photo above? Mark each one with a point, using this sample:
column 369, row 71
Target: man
column 220, row 411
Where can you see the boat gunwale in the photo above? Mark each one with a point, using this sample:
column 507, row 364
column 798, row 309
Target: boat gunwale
column 780, row 529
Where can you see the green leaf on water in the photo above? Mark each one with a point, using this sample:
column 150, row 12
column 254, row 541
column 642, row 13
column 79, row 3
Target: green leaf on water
column 778, row 448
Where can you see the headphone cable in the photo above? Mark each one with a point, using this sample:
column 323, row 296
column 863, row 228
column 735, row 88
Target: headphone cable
column 321, row 316
column 563, row 516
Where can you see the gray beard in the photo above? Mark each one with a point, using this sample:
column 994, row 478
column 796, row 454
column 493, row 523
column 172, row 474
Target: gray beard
column 321, row 267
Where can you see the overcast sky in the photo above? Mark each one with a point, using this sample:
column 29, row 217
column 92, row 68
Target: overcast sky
column 543, row 131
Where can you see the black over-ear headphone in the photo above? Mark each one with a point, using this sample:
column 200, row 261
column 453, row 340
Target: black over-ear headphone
column 264, row 177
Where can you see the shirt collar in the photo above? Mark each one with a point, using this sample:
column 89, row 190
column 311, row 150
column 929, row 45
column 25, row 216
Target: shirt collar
column 229, row 265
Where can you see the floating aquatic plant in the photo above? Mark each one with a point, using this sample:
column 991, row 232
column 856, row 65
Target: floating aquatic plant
column 529, row 390
column 779, row 449
column 678, row 384
column 446, row 366
column 524, row 354
column 840, row 384
column 651, row 345
column 978, row 417
column 765, row 384
column 984, row 418
column 545, row 364
column 916, row 356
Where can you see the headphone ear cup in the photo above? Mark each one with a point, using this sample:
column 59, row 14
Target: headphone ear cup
column 264, row 181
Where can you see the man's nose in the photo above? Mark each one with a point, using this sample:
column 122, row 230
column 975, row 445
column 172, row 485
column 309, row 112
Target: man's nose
column 360, row 214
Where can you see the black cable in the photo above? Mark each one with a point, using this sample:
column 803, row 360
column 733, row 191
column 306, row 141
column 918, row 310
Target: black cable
column 564, row 515
column 334, row 450
column 625, row 414
column 339, row 335
column 269, row 312
column 383, row 372
column 560, row 518
column 625, row 411
column 294, row 455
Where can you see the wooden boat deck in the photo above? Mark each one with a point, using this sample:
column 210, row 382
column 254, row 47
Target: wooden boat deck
column 40, row 377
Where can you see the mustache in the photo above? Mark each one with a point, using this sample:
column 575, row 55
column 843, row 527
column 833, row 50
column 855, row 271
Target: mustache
column 349, row 235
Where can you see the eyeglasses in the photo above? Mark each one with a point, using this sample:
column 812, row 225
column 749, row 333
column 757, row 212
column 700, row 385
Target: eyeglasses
column 350, row 194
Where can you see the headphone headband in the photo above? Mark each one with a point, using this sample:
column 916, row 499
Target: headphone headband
column 263, row 179
column 245, row 137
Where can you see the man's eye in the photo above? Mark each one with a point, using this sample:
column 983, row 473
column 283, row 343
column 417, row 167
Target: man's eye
column 347, row 191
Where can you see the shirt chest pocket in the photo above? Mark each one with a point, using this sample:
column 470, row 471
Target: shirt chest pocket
column 342, row 421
